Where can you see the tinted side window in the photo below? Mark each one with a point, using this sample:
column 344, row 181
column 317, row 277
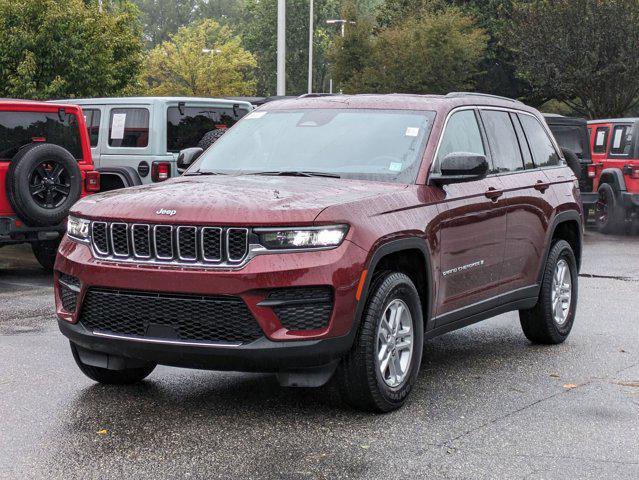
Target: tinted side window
column 601, row 140
column 461, row 135
column 22, row 128
column 92, row 119
column 621, row 140
column 504, row 147
column 129, row 127
column 187, row 129
column 541, row 145
column 523, row 143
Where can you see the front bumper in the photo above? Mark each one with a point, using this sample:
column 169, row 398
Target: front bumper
column 279, row 349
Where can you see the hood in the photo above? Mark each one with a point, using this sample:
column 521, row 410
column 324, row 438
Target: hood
column 250, row 200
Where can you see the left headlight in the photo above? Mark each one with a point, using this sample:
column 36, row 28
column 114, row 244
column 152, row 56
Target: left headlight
column 302, row 238
column 78, row 228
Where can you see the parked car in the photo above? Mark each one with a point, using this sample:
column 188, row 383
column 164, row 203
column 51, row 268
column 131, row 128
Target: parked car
column 321, row 236
column 571, row 134
column 45, row 167
column 136, row 141
column 615, row 172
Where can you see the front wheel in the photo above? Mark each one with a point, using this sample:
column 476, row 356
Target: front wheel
column 551, row 319
column 112, row 377
column 380, row 370
column 608, row 212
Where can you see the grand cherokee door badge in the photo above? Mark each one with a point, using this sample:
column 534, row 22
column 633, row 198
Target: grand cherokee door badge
column 468, row 266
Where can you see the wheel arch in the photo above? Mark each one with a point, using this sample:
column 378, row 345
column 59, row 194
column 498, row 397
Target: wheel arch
column 412, row 257
column 112, row 176
column 565, row 226
column 613, row 177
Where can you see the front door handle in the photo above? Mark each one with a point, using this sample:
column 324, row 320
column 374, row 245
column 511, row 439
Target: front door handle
column 541, row 186
column 493, row 193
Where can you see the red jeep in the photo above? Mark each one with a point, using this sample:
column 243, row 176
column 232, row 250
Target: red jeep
column 615, row 172
column 45, row 167
column 330, row 234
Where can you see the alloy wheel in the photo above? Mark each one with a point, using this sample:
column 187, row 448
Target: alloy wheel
column 49, row 184
column 395, row 343
column 561, row 295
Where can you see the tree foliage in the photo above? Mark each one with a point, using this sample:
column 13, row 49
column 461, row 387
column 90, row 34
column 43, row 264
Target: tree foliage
column 58, row 49
column 205, row 59
column 260, row 38
column 582, row 52
column 427, row 53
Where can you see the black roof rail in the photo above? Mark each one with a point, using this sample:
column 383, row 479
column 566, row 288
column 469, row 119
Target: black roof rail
column 313, row 95
column 476, row 94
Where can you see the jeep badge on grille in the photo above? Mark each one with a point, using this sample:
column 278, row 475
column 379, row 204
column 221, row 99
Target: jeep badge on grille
column 163, row 211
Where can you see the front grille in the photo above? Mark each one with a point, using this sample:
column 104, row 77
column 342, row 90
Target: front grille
column 168, row 243
column 169, row 316
column 307, row 308
column 69, row 290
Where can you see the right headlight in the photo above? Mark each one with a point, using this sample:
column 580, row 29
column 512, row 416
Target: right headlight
column 78, row 228
column 291, row 238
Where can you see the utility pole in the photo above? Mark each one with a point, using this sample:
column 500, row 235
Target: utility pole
column 281, row 47
column 310, row 48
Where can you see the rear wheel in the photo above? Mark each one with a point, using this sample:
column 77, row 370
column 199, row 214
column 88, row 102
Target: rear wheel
column 112, row 377
column 45, row 252
column 609, row 214
column 551, row 319
column 379, row 372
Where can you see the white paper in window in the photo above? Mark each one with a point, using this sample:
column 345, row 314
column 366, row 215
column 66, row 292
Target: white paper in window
column 616, row 142
column 117, row 126
column 412, row 131
column 601, row 136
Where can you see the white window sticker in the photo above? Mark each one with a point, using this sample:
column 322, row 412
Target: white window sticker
column 412, row 131
column 254, row 115
column 601, row 136
column 395, row 167
column 616, row 143
column 117, row 126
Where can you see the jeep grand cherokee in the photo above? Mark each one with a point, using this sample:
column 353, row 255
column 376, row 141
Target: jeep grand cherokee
column 328, row 235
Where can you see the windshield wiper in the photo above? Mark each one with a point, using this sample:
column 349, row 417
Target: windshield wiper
column 199, row 172
column 297, row 173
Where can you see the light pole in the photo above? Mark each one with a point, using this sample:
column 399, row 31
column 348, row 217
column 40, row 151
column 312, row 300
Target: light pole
column 310, row 48
column 281, row 47
column 342, row 22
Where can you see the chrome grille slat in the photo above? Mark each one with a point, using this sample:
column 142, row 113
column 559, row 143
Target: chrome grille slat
column 170, row 244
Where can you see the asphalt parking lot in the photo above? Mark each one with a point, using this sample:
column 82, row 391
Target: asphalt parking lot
column 487, row 404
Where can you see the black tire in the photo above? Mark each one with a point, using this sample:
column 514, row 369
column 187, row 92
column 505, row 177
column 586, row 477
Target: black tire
column 609, row 214
column 111, row 377
column 359, row 379
column 32, row 164
column 573, row 162
column 538, row 323
column 210, row 138
column 45, row 252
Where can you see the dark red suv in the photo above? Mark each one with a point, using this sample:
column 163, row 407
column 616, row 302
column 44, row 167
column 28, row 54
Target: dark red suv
column 330, row 234
column 45, row 167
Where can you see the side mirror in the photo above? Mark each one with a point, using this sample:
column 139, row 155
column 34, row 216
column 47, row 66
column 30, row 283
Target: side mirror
column 186, row 158
column 460, row 167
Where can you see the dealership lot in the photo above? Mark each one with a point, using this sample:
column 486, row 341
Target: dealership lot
column 487, row 404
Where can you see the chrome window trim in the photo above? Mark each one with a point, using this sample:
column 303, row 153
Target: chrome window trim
column 126, row 234
column 246, row 244
column 148, row 234
column 204, row 257
column 155, row 243
column 106, row 235
column 177, row 239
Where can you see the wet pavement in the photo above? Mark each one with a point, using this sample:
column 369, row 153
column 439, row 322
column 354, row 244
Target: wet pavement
column 487, row 404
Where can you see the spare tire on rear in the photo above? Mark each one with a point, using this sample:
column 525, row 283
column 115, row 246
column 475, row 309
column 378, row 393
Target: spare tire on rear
column 210, row 138
column 573, row 162
column 43, row 182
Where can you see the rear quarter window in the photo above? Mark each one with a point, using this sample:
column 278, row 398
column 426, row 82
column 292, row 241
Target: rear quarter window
column 129, row 128
column 570, row 137
column 22, row 128
column 541, row 146
column 601, row 140
column 92, row 119
column 621, row 143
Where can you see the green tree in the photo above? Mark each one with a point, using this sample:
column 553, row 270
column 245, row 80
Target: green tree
column 260, row 37
column 581, row 52
column 204, row 59
column 66, row 48
column 161, row 18
column 430, row 53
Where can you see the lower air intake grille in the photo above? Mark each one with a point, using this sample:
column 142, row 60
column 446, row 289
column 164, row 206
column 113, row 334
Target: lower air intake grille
column 69, row 289
column 306, row 308
column 169, row 316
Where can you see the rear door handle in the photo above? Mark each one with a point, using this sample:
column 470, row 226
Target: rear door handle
column 541, row 186
column 493, row 193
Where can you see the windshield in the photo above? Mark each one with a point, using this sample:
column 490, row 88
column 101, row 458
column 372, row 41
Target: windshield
column 380, row 145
